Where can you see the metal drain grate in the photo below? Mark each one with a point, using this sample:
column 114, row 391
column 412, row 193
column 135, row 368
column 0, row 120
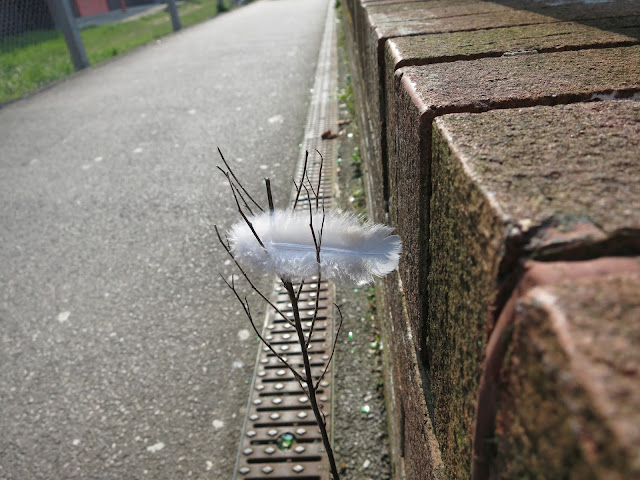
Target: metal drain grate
column 280, row 438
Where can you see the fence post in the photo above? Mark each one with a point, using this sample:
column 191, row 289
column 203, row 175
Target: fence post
column 63, row 18
column 175, row 18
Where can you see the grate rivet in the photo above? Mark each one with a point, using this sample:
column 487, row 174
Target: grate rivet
column 301, row 431
column 267, row 469
column 245, row 470
column 298, row 468
column 273, row 432
column 299, row 449
column 248, row 451
column 302, row 415
column 274, row 416
column 277, row 401
column 269, row 450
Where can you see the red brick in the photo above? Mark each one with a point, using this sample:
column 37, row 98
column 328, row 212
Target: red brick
column 545, row 182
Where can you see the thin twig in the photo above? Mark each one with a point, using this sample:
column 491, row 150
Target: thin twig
column 304, row 171
column 267, row 181
column 233, row 186
column 333, row 350
column 247, row 311
column 238, row 182
column 315, row 309
column 299, row 290
column 320, row 180
column 312, row 190
column 255, row 289
column 246, row 220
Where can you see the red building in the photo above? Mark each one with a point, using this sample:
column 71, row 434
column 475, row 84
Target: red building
column 91, row 7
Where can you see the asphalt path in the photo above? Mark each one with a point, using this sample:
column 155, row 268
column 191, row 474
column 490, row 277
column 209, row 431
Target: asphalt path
column 122, row 354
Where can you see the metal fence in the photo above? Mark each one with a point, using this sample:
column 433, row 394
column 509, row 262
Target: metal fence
column 43, row 40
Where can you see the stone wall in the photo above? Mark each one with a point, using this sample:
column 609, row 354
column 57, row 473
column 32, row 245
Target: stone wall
column 502, row 141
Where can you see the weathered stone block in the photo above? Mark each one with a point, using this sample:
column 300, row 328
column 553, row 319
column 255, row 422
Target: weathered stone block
column 378, row 21
column 495, row 42
column 427, row 92
column 570, row 384
column 417, row 449
column 545, row 182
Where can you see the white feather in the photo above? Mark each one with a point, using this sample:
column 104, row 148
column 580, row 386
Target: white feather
column 351, row 252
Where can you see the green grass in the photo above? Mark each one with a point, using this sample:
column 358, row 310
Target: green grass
column 31, row 60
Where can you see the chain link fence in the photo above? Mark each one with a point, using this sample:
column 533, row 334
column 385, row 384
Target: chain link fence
column 44, row 40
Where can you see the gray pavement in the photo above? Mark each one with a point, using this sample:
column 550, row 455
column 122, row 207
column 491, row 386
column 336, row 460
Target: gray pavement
column 122, row 355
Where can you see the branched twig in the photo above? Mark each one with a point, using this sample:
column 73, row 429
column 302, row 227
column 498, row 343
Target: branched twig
column 312, row 389
column 247, row 311
column 306, row 381
column 251, row 284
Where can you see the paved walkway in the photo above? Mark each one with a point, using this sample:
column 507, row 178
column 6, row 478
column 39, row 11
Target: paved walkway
column 122, row 355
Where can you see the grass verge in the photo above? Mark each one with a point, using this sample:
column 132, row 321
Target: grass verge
column 31, row 60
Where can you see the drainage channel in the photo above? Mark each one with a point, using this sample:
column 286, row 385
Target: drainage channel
column 280, row 438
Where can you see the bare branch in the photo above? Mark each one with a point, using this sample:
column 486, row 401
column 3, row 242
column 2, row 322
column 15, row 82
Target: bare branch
column 251, row 284
column 247, row 311
column 333, row 350
column 238, row 182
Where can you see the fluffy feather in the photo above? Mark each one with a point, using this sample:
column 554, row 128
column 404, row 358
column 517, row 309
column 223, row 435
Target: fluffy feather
column 351, row 252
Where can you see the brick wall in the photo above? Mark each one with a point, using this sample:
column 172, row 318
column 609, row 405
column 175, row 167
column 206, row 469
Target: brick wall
column 502, row 140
